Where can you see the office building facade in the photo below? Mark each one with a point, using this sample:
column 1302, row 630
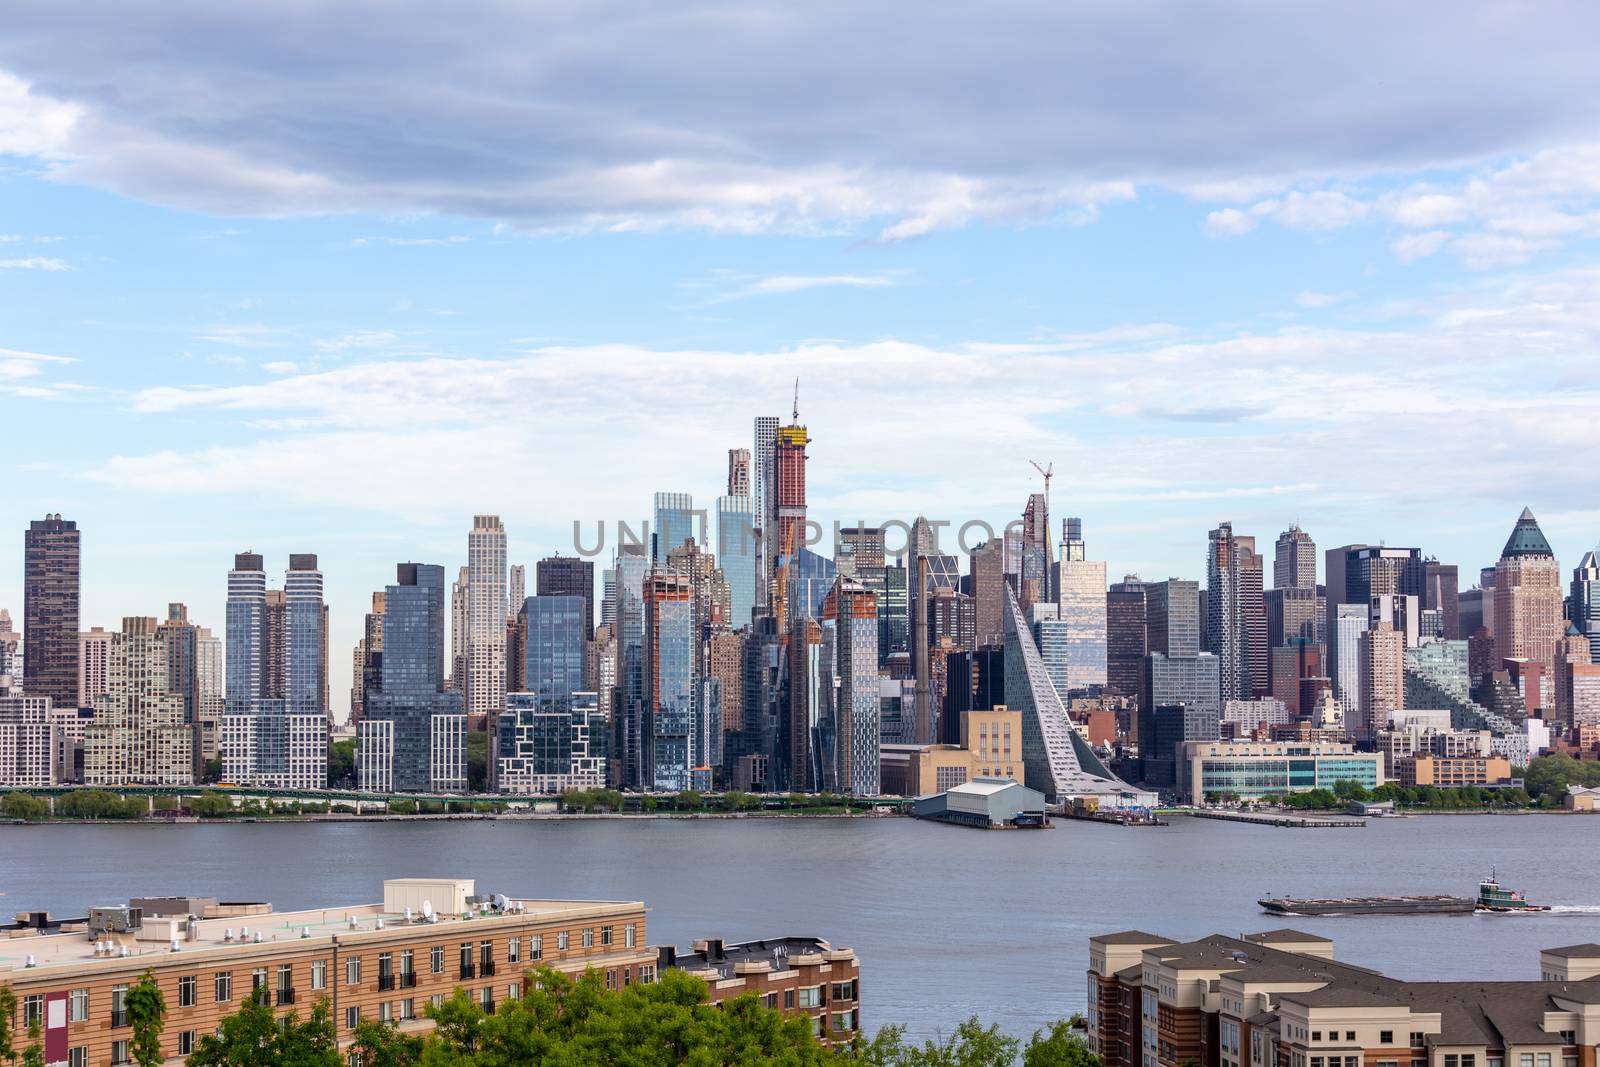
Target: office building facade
column 50, row 588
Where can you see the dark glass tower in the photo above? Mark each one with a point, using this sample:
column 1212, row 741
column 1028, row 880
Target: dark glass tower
column 50, row 610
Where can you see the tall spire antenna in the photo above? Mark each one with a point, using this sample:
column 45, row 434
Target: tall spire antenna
column 796, row 413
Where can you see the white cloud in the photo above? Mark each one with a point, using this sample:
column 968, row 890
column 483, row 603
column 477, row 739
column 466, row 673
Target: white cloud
column 1481, row 251
column 281, row 366
column 1415, row 246
column 45, row 263
column 1229, row 222
column 1320, row 300
column 741, row 287
column 412, row 242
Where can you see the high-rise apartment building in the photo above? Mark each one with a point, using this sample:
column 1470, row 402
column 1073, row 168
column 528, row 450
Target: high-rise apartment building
column 137, row 735
column 1294, row 563
column 10, row 653
column 552, row 733
column 987, row 566
column 1125, row 635
column 460, row 627
column 567, row 576
column 739, row 483
column 1527, row 597
column 631, row 718
column 1080, row 588
column 28, row 741
column 1354, row 574
column 1383, row 680
column 486, row 620
column 1236, row 624
column 551, row 640
column 412, row 734
column 669, row 673
column 1172, row 613
column 788, row 504
column 763, row 475
column 50, row 578
column 740, row 554
column 94, row 665
column 850, row 634
column 274, row 728
column 1344, row 650
column 517, row 588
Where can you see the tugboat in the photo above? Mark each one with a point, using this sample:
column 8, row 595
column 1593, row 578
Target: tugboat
column 1491, row 897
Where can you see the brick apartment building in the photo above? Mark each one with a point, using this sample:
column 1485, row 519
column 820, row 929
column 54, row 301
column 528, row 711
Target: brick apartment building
column 384, row 962
column 1279, row 999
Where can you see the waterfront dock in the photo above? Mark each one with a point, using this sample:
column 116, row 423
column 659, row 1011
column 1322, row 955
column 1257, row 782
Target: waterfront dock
column 1273, row 818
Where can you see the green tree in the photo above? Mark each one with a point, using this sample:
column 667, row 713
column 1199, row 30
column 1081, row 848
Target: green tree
column 33, row 1055
column 24, row 806
column 147, row 1014
column 212, row 772
column 341, row 763
column 970, row 1045
column 381, row 1045
column 688, row 800
column 477, row 760
column 253, row 1036
column 8, row 1011
column 1058, row 1047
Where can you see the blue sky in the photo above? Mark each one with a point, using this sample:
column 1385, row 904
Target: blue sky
column 333, row 279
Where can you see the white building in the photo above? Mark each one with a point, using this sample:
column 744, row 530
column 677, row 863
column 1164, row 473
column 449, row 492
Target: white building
column 485, row 690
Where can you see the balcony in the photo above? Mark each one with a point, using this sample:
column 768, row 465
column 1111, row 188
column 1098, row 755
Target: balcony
column 487, row 970
column 385, row 982
column 408, row 979
column 285, row 996
column 119, row 1017
column 468, row 971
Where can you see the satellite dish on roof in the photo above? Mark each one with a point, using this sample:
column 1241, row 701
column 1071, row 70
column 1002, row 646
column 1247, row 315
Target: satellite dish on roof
column 427, row 910
column 499, row 902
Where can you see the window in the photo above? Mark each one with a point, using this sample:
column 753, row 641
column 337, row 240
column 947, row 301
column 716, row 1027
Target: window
column 258, row 979
column 843, row 991
column 352, row 971
column 408, row 962
column 535, row 947
column 513, row 950
column 408, row 1009
column 611, row 979
column 811, row 997
column 1525, row 1060
column 437, row 1000
column 352, row 1018
column 436, row 959
column 186, row 1043
column 224, row 986
column 605, row 935
column 1416, row 1042
column 78, row 1003
column 1349, row 1035
column 770, row 1000
column 514, row 991
column 1316, row 1035
column 1451, row 1060
column 788, row 999
column 628, row 935
column 816, row 1026
column 285, row 978
column 119, row 1053
column 486, row 956
column 562, row 941
column 319, row 974
column 486, row 998
column 32, row 1010
column 1385, row 1037
column 647, row 973
column 1569, row 1061
column 588, row 937
column 78, row 1057
column 844, row 1021
column 386, row 1012
column 1544, row 1059
column 353, row 1060
column 1468, row 1059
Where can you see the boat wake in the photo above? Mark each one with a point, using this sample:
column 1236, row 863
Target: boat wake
column 1574, row 909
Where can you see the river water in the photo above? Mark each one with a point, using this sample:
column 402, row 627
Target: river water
column 947, row 921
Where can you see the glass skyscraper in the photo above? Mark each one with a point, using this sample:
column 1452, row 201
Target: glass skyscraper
column 412, row 734
column 552, row 646
column 674, row 523
column 738, row 554
column 669, row 642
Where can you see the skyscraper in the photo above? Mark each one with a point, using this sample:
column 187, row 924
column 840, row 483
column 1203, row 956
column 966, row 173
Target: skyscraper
column 1081, row 595
column 1236, row 625
column 552, row 639
column 567, row 576
column 1383, row 650
column 763, row 474
column 275, row 718
column 1583, row 605
column 674, row 523
column 94, row 665
column 1125, row 635
column 739, row 483
column 1172, row 611
column 788, row 503
column 50, row 610
column 630, row 716
column 669, row 672
column 517, row 589
column 1035, row 571
column 137, row 735
column 1294, row 564
column 850, row 629
column 412, row 734
column 987, row 567
column 1344, row 642
column 1527, row 597
column 740, row 555
column 1440, row 592
column 486, row 619
column 1357, row 573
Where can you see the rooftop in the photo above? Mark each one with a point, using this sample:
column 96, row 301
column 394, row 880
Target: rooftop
column 714, row 959
column 239, row 927
column 1526, row 538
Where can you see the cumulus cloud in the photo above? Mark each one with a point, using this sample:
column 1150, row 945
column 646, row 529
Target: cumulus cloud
column 1415, row 246
column 45, row 263
column 754, row 116
column 741, row 287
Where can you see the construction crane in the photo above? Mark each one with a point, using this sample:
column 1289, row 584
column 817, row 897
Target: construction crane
column 1048, row 472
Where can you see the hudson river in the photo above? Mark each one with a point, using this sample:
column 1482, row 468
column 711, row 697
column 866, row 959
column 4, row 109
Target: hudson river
column 948, row 922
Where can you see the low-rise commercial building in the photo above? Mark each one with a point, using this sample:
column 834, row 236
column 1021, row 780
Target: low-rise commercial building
column 991, row 747
column 384, row 962
column 1451, row 772
column 985, row 803
column 1248, row 770
column 1280, row 999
